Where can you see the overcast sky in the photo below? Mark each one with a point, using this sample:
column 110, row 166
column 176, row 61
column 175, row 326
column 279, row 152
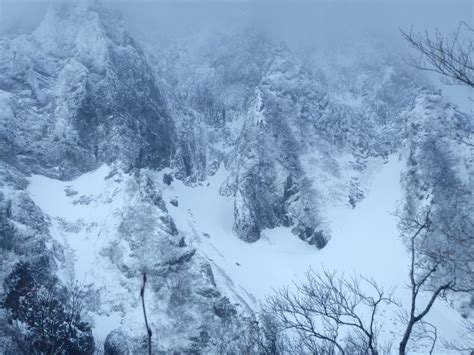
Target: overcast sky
column 303, row 18
column 299, row 23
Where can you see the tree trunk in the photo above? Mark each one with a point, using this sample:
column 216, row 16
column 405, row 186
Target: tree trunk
column 403, row 344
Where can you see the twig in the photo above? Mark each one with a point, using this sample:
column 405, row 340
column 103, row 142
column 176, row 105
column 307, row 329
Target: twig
column 148, row 329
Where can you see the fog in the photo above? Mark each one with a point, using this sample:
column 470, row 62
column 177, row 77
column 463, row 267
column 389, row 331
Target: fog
column 301, row 25
column 303, row 21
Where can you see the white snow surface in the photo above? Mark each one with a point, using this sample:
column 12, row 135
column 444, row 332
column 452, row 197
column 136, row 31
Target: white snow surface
column 365, row 241
column 84, row 224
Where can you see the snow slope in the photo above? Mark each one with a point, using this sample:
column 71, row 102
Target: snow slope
column 84, row 216
column 365, row 241
column 85, row 213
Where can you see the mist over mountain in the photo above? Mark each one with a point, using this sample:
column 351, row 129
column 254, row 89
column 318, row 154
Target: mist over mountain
column 223, row 149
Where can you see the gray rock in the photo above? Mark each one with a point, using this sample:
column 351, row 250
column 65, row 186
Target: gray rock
column 116, row 343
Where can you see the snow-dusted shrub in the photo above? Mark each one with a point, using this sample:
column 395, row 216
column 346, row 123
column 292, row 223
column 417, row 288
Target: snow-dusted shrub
column 45, row 317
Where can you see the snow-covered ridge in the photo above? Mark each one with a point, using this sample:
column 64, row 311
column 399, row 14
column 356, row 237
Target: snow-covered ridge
column 108, row 227
column 78, row 78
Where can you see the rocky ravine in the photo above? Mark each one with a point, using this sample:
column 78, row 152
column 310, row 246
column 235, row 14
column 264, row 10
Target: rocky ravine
column 80, row 99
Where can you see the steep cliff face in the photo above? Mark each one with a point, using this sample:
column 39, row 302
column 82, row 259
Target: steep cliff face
column 293, row 137
column 78, row 92
column 439, row 180
column 75, row 94
column 190, row 163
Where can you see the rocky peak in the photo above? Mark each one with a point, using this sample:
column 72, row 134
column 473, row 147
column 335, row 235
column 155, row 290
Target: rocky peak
column 74, row 29
column 80, row 93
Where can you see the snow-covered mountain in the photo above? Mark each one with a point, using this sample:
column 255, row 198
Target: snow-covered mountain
column 90, row 73
column 223, row 167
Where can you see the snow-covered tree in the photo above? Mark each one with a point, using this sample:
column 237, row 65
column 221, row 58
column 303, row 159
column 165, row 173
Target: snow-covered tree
column 49, row 315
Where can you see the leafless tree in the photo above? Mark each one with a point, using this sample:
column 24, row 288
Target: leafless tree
column 326, row 311
column 450, row 56
column 426, row 272
column 335, row 315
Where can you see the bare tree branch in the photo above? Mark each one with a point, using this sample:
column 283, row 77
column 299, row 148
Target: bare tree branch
column 148, row 329
column 423, row 265
column 328, row 310
column 450, row 56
